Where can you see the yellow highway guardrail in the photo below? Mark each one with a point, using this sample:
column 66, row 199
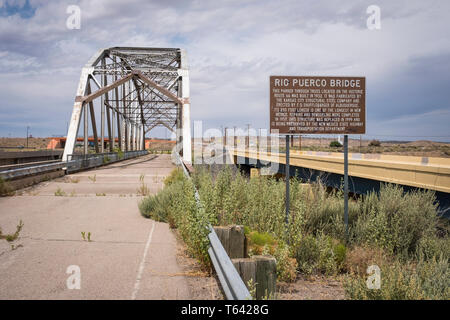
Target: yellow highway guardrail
column 421, row 172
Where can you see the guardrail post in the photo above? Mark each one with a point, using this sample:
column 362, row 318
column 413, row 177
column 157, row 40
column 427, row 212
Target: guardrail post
column 233, row 240
column 262, row 271
column 266, row 276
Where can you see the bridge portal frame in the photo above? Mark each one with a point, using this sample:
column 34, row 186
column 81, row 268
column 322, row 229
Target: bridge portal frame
column 138, row 89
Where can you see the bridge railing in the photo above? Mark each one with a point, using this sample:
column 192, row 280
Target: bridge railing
column 75, row 163
column 230, row 280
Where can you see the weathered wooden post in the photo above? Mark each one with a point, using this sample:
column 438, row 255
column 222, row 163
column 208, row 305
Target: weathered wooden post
column 262, row 271
column 233, row 240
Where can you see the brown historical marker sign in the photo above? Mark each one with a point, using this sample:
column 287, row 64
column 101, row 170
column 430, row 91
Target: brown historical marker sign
column 318, row 105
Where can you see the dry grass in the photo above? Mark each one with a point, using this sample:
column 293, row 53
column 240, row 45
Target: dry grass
column 359, row 258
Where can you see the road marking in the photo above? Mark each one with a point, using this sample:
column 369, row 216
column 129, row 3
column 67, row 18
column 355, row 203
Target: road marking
column 142, row 265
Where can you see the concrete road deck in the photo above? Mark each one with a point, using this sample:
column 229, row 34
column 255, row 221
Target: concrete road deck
column 129, row 257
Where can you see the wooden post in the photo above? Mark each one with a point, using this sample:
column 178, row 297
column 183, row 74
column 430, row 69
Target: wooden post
column 233, row 240
column 262, row 270
column 246, row 267
column 266, row 276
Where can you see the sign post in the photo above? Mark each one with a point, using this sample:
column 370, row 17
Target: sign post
column 346, row 185
column 318, row 105
column 287, row 173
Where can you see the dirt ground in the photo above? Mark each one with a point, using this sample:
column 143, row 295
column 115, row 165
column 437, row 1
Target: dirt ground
column 160, row 145
column 21, row 143
column 202, row 286
column 313, row 288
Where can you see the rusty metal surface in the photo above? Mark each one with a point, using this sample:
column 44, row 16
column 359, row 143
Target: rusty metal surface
column 317, row 105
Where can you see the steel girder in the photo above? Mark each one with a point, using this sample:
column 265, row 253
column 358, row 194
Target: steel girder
column 139, row 89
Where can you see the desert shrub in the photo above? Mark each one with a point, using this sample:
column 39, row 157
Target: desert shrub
column 396, row 221
column 325, row 213
column 119, row 152
column 286, row 265
column 331, row 255
column 434, row 275
column 260, row 243
column 431, row 247
column 158, row 206
column 5, row 189
column 375, row 143
column 176, row 175
column 335, row 144
column 192, row 222
column 397, row 283
column 385, row 227
column 234, row 200
column 426, row 280
column 307, row 254
column 176, row 204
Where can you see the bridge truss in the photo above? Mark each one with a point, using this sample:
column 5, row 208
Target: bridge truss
column 134, row 90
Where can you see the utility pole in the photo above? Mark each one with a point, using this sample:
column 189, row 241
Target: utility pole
column 225, row 136
column 360, row 142
column 248, row 136
column 28, row 127
column 258, row 141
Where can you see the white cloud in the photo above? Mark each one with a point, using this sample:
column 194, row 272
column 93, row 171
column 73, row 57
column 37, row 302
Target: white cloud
column 233, row 47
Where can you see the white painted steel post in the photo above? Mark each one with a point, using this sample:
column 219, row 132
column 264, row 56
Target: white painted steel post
column 186, row 108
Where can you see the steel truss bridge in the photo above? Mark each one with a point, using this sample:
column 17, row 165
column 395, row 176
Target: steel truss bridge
column 134, row 90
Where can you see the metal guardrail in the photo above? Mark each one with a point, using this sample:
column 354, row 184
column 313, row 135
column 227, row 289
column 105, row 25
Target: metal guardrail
column 23, row 172
column 80, row 163
column 229, row 278
column 26, row 165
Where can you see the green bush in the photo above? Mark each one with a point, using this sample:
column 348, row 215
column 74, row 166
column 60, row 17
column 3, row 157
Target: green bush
column 396, row 221
column 119, row 152
column 431, row 247
column 286, row 265
column 307, row 255
column 158, row 206
column 335, row 144
column 426, row 280
column 375, row 143
column 5, row 189
column 399, row 230
column 175, row 176
column 176, row 204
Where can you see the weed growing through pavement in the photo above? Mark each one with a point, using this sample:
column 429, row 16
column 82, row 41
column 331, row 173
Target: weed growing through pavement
column 60, row 192
column 12, row 237
column 143, row 189
column 83, row 236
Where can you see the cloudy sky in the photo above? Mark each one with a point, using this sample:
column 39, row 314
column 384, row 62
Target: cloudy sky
column 233, row 47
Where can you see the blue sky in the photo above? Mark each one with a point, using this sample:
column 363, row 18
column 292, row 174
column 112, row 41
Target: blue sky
column 233, row 47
